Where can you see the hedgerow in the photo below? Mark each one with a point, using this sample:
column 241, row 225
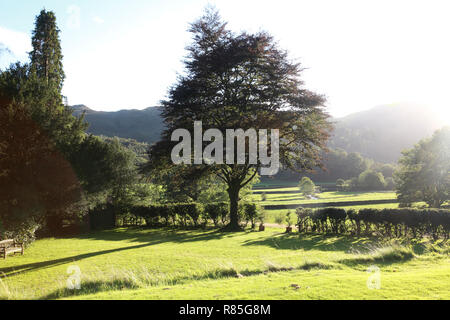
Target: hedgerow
column 402, row 222
column 182, row 214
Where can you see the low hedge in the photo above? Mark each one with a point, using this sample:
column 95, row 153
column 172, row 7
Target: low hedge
column 193, row 214
column 183, row 214
column 402, row 222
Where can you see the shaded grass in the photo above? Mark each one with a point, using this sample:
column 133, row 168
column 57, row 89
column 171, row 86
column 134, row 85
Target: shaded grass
column 385, row 255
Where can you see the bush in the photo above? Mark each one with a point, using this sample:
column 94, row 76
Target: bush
column 306, row 186
column 288, row 218
column 185, row 212
column 216, row 211
column 251, row 213
column 102, row 217
column 337, row 219
column 23, row 231
column 279, row 218
column 262, row 216
column 303, row 218
column 340, row 184
column 371, row 180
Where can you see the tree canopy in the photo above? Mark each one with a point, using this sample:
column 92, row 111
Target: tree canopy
column 424, row 171
column 306, row 186
column 243, row 81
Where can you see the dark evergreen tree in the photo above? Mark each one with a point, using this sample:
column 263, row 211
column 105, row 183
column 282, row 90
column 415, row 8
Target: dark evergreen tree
column 47, row 160
column 46, row 56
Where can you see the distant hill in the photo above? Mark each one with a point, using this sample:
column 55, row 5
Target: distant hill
column 380, row 133
column 142, row 125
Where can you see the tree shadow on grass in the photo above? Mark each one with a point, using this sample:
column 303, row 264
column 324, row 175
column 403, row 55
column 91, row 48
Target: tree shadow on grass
column 308, row 242
column 159, row 235
column 145, row 239
column 395, row 255
column 366, row 250
column 14, row 270
column 91, row 287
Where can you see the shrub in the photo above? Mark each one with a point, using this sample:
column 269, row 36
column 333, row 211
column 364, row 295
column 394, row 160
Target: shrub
column 102, row 217
column 262, row 216
column 371, row 180
column 251, row 213
column 340, row 184
column 336, row 217
column 185, row 211
column 303, row 217
column 306, row 186
column 215, row 211
column 288, row 218
column 279, row 218
column 387, row 222
column 23, row 231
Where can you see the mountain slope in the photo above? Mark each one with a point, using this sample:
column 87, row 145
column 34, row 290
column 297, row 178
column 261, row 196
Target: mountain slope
column 380, row 133
column 142, row 125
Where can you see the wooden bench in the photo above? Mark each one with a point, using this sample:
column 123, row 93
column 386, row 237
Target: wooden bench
column 10, row 246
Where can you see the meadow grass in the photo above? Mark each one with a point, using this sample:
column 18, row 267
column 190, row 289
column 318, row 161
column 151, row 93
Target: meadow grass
column 332, row 196
column 207, row 264
column 282, row 198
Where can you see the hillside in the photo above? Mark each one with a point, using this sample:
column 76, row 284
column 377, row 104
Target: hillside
column 142, row 125
column 380, row 133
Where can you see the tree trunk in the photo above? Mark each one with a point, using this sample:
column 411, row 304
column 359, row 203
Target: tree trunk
column 233, row 193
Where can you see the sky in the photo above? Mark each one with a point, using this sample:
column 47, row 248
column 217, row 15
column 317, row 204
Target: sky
column 126, row 54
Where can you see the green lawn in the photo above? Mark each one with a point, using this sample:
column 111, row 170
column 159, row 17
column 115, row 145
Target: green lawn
column 283, row 198
column 168, row 264
column 283, row 184
column 332, row 196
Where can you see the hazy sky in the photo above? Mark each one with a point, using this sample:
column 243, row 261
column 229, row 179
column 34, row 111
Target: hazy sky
column 125, row 54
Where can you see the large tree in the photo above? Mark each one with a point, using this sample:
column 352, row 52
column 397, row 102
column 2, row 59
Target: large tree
column 37, row 183
column 424, row 171
column 49, row 167
column 242, row 81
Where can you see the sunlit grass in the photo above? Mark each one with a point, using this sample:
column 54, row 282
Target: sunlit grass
column 139, row 263
column 332, row 196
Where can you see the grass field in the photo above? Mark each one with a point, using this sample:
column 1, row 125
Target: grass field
column 291, row 195
column 283, row 184
column 186, row 264
column 332, row 196
column 169, row 264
